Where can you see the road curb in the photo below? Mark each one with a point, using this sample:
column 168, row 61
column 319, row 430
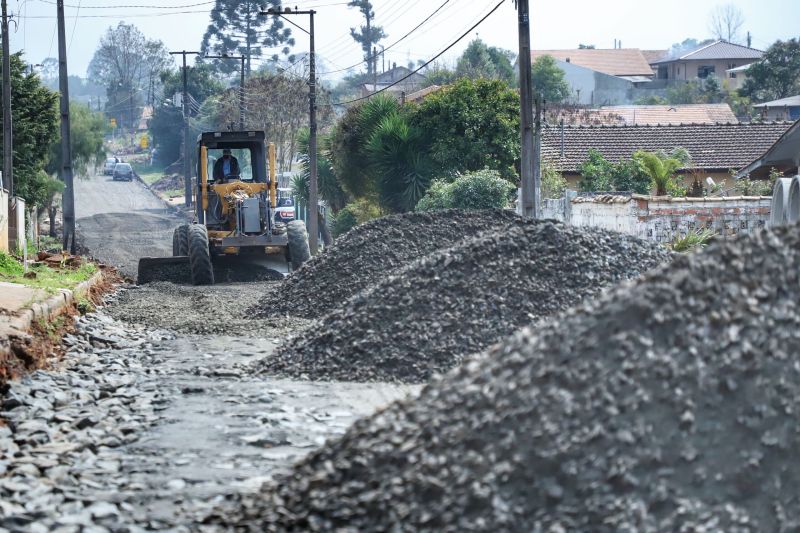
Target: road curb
column 19, row 325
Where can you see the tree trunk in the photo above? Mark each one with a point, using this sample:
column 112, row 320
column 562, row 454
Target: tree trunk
column 51, row 212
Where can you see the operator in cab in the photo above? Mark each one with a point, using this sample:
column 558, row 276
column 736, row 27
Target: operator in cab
column 226, row 167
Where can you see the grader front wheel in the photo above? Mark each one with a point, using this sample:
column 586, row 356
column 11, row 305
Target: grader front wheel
column 200, row 256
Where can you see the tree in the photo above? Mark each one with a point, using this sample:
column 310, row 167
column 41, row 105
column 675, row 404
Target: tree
column 628, row 175
column 398, row 156
column 548, row 80
column 439, row 74
column 471, row 125
column 87, row 129
column 277, row 105
column 776, row 75
column 660, row 169
column 586, row 46
column 687, row 45
column 157, row 60
column 348, row 145
column 167, row 134
column 482, row 61
column 34, row 112
column 329, row 188
column 367, row 35
column 122, row 65
column 725, row 22
column 236, row 28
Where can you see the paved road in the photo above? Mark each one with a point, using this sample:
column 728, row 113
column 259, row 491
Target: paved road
column 156, row 412
column 122, row 221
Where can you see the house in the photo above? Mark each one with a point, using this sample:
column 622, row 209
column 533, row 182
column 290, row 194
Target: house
column 715, row 58
column 601, row 76
column 668, row 114
column 736, row 76
column 419, row 96
column 395, row 81
column 716, row 149
column 783, row 155
column 783, row 109
column 626, row 63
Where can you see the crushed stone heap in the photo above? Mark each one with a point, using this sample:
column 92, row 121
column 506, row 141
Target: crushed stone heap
column 458, row 301
column 670, row 404
column 369, row 252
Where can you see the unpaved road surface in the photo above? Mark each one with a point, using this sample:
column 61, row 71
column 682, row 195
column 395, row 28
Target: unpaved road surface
column 154, row 415
column 121, row 221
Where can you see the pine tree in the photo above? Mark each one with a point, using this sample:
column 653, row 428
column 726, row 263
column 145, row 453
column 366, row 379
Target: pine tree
column 367, row 35
column 236, row 28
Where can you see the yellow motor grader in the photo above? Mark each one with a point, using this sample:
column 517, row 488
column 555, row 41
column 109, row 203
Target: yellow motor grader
column 235, row 202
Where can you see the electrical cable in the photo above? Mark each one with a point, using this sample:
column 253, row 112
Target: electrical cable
column 434, row 58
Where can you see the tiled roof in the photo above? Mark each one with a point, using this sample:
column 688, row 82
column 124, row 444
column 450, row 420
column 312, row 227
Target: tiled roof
column 613, row 61
column 677, row 114
column 651, row 56
column 420, row 95
column 712, row 146
column 716, row 50
column 790, row 101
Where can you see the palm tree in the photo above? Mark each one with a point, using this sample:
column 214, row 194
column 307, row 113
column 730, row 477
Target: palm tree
column 398, row 154
column 660, row 169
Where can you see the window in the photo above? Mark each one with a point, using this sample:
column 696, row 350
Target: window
column 705, row 71
column 731, row 74
column 243, row 158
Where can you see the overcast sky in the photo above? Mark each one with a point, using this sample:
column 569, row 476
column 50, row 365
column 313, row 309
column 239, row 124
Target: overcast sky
column 555, row 24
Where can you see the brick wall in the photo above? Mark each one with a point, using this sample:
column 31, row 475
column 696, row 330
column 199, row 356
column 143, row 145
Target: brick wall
column 662, row 219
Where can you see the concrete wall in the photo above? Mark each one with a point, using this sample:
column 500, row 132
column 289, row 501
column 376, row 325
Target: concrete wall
column 590, row 87
column 16, row 224
column 662, row 219
column 3, row 220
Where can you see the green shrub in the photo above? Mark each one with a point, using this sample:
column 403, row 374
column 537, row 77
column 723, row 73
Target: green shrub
column 353, row 214
column 484, row 189
column 438, row 196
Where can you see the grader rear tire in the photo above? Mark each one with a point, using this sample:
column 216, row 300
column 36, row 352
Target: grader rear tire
column 200, row 256
column 299, row 252
column 180, row 240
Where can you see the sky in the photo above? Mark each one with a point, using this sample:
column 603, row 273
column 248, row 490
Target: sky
column 180, row 24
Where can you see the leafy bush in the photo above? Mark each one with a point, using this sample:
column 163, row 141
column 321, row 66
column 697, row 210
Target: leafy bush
column 692, row 241
column 353, row 214
column 439, row 196
column 484, row 189
column 553, row 182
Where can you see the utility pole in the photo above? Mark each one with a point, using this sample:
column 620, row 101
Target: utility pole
column 313, row 197
column 187, row 143
column 241, row 84
column 374, row 69
column 528, row 194
column 537, row 156
column 8, row 134
column 68, row 196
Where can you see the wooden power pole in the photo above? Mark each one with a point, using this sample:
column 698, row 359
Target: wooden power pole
column 313, row 195
column 528, row 203
column 8, row 142
column 68, row 196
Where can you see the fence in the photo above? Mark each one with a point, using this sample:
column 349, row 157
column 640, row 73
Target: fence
column 3, row 220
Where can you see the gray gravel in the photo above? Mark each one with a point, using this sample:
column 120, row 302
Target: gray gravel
column 458, row 301
column 62, row 454
column 669, row 404
column 212, row 310
column 370, row 252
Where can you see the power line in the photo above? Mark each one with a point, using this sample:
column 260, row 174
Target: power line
column 401, row 39
column 74, row 26
column 431, row 60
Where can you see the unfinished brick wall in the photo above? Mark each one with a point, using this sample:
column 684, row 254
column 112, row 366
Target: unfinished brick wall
column 662, row 219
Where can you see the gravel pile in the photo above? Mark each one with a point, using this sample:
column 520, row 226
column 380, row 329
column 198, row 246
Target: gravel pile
column 368, row 253
column 458, row 301
column 669, row 404
column 204, row 310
